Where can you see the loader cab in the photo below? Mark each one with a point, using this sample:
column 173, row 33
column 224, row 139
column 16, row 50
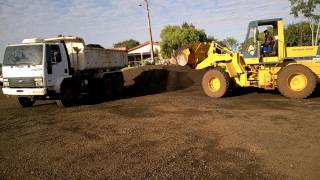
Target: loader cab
column 253, row 46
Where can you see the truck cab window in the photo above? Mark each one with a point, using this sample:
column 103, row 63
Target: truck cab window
column 53, row 54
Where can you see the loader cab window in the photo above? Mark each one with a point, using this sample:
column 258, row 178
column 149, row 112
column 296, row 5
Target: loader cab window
column 268, row 38
column 250, row 45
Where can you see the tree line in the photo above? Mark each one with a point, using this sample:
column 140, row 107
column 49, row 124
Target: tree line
column 175, row 37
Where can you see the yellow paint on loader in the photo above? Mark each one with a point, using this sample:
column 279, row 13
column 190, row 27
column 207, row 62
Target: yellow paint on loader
column 302, row 51
column 293, row 70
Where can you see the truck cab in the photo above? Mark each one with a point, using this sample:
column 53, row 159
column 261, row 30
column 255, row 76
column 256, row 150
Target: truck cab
column 34, row 69
column 62, row 68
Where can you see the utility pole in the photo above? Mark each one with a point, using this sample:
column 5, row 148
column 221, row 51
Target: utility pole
column 150, row 32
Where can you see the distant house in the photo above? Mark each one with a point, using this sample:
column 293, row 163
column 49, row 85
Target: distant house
column 141, row 53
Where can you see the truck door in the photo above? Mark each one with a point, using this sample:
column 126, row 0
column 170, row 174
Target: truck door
column 57, row 65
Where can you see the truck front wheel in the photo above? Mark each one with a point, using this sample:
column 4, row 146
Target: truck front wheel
column 26, row 101
column 67, row 98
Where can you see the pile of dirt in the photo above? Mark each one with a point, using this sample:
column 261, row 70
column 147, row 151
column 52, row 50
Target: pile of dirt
column 159, row 79
column 151, row 79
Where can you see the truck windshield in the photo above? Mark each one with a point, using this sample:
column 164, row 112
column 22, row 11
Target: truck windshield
column 23, row 55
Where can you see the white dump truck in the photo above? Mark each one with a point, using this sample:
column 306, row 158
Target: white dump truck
column 63, row 68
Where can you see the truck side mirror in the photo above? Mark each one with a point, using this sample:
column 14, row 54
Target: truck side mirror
column 56, row 58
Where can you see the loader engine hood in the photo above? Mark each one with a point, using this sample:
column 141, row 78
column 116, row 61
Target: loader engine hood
column 303, row 51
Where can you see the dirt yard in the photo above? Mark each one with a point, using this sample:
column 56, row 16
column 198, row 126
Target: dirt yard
column 163, row 127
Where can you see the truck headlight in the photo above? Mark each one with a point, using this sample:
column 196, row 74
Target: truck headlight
column 6, row 84
column 39, row 82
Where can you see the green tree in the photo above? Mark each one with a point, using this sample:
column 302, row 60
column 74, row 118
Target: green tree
column 310, row 9
column 212, row 38
column 231, row 43
column 298, row 34
column 131, row 43
column 176, row 37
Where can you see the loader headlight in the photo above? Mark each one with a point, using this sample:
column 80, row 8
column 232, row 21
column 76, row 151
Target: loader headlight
column 39, row 82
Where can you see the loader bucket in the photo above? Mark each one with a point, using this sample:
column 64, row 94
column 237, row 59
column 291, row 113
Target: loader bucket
column 192, row 55
column 183, row 57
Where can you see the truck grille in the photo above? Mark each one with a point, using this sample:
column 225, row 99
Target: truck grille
column 22, row 82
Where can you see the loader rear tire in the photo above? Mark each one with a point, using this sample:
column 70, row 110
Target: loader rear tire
column 216, row 83
column 296, row 81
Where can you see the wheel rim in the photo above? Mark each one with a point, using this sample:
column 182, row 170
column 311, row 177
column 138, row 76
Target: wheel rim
column 297, row 82
column 214, row 84
column 68, row 95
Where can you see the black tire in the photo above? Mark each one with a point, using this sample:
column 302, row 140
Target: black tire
column 67, row 97
column 26, row 101
column 118, row 83
column 296, row 81
column 108, row 88
column 224, row 80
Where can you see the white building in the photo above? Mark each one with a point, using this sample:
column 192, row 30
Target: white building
column 141, row 53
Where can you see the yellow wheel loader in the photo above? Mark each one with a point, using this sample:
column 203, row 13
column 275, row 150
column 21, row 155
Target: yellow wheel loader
column 294, row 71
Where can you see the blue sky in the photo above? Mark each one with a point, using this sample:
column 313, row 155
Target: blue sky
column 108, row 21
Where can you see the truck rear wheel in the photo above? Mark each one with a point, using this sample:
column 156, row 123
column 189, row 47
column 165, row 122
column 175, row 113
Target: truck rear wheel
column 67, row 98
column 296, row 81
column 118, row 83
column 216, row 83
column 108, row 88
column 26, row 101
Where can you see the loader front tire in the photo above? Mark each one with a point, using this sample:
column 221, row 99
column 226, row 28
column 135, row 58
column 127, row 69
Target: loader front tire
column 216, row 83
column 296, row 81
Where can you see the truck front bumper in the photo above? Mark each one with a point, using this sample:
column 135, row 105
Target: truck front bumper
column 25, row 91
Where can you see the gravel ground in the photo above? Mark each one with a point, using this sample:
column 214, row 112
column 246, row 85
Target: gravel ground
column 163, row 127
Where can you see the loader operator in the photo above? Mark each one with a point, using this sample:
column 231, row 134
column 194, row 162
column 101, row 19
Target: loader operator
column 268, row 44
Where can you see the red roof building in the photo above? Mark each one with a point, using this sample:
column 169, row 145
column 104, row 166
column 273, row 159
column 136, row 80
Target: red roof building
column 140, row 54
